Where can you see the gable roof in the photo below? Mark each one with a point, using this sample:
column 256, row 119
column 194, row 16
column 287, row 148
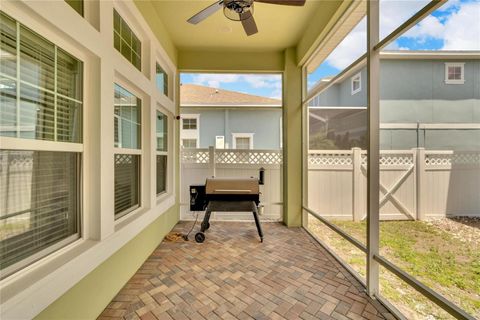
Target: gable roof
column 192, row 95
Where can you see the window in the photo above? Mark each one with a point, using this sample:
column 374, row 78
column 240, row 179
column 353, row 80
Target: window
column 40, row 98
column 242, row 140
column 43, row 100
column 127, row 119
column 162, row 80
column 356, row 83
column 40, row 205
column 162, row 151
column 189, row 143
column 454, row 73
column 77, row 5
column 189, row 124
column 127, row 115
column 127, row 183
column 126, row 42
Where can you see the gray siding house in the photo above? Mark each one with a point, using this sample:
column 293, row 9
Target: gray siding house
column 428, row 99
column 229, row 120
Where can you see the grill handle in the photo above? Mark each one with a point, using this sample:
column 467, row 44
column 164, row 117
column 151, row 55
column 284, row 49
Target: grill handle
column 261, row 176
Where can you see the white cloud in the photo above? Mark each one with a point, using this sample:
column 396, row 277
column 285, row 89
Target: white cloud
column 351, row 48
column 395, row 12
column 255, row 81
column 460, row 30
column 214, row 80
column 428, row 27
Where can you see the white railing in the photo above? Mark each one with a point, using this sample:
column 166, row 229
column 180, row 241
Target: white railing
column 198, row 164
column 414, row 184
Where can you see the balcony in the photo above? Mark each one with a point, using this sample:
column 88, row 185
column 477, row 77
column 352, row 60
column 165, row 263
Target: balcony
column 234, row 276
column 365, row 116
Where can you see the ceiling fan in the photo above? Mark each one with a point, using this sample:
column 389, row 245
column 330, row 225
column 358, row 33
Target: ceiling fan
column 240, row 10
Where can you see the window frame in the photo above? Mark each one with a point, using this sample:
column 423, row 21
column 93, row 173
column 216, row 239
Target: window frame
column 17, row 143
column 167, row 84
column 242, row 135
column 101, row 236
column 190, row 133
column 120, row 216
column 462, row 72
column 168, row 153
column 190, row 124
column 356, row 78
column 134, row 30
column 196, row 143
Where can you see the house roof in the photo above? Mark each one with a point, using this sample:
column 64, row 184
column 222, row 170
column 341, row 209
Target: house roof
column 395, row 55
column 196, row 95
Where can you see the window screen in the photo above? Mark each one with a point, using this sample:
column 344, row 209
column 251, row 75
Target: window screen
column 242, row 143
column 126, row 42
column 161, row 173
column 189, row 124
column 127, row 119
column 43, row 100
column 454, row 73
column 127, row 183
column 162, row 151
column 162, row 80
column 39, row 204
column 189, row 143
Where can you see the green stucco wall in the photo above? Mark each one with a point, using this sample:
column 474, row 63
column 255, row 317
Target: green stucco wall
column 88, row 298
column 292, row 154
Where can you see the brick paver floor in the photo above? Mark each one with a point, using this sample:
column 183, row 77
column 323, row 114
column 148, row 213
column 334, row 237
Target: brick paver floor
column 234, row 276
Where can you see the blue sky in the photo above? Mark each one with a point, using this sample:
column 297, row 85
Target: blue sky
column 265, row 85
column 453, row 26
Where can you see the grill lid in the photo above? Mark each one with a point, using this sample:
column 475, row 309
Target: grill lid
column 232, row 186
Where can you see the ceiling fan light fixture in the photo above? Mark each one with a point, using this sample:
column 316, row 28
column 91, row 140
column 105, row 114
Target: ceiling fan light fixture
column 235, row 9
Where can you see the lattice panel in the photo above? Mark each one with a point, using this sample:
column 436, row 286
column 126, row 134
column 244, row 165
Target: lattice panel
column 195, row 156
column 391, row 159
column 396, row 159
column 248, row 157
column 452, row 159
column 124, row 158
column 332, row 159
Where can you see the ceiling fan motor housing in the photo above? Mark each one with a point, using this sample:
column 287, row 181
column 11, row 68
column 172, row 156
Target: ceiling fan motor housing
column 234, row 9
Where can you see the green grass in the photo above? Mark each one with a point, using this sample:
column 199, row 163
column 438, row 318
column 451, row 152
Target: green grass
column 433, row 256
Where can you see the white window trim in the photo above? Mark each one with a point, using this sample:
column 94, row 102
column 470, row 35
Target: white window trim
column 134, row 24
column 354, row 78
column 190, row 133
column 196, row 144
column 169, row 183
column 44, row 281
column 241, row 135
column 455, row 64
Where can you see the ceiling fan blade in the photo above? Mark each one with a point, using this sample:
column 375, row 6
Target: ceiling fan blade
column 248, row 23
column 298, row 3
column 205, row 13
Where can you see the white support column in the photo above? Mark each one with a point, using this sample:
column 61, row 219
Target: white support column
column 373, row 175
column 211, row 157
column 420, row 178
column 357, row 209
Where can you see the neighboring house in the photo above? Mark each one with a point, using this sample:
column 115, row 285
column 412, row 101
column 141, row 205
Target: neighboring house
column 228, row 119
column 428, row 99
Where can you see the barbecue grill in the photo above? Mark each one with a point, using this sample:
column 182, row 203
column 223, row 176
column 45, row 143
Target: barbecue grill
column 227, row 195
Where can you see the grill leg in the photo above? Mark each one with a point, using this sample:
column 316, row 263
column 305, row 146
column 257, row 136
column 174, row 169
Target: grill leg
column 206, row 224
column 257, row 222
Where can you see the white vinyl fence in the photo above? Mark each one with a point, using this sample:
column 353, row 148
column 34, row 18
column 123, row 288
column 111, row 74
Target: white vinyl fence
column 198, row 164
column 414, row 184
